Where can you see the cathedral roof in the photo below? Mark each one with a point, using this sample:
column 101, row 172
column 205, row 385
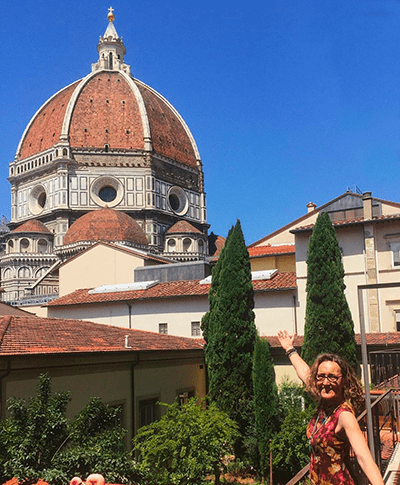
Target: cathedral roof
column 32, row 226
column 183, row 227
column 110, row 110
column 105, row 225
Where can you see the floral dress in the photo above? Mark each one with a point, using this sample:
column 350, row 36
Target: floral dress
column 329, row 452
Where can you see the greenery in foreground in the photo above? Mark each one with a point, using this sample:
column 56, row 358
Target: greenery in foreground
column 37, row 441
column 329, row 327
column 186, row 445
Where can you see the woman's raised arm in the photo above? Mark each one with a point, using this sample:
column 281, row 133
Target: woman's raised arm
column 302, row 368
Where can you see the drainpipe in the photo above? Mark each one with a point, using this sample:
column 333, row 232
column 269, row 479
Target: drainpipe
column 294, row 313
column 129, row 315
column 1, row 386
column 133, row 404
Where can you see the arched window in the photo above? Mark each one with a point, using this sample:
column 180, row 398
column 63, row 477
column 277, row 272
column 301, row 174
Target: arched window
column 24, row 245
column 10, row 246
column 7, row 274
column 186, row 244
column 201, row 246
column 24, row 272
column 171, row 245
column 42, row 246
column 110, row 61
column 40, row 272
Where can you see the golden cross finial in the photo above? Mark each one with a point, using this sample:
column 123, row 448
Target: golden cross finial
column 111, row 15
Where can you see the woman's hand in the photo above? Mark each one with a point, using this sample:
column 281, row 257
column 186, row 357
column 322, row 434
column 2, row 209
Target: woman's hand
column 286, row 340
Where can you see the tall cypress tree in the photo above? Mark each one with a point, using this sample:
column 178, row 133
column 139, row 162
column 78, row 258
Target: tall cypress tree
column 328, row 325
column 230, row 333
column 265, row 401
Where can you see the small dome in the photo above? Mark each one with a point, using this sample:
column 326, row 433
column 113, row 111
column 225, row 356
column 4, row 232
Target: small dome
column 32, row 226
column 183, row 227
column 106, row 225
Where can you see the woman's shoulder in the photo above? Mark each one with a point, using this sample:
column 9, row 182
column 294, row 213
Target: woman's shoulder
column 345, row 406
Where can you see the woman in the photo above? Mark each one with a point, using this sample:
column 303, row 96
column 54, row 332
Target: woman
column 333, row 427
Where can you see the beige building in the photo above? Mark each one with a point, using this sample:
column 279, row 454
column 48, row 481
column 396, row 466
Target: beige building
column 176, row 307
column 368, row 232
column 124, row 367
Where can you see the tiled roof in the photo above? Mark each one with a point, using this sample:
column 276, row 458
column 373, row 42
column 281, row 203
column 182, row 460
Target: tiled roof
column 105, row 225
column 215, row 243
column 350, row 222
column 183, row 227
column 107, row 110
column 45, row 127
column 269, row 250
column 25, row 335
column 32, row 226
column 379, row 339
column 171, row 289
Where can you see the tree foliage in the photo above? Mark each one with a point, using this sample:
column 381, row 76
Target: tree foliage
column 185, row 445
column 329, row 326
column 39, row 442
column 290, row 448
column 265, row 401
column 230, row 333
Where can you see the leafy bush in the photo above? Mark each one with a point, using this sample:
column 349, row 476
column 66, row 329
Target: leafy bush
column 38, row 442
column 185, row 445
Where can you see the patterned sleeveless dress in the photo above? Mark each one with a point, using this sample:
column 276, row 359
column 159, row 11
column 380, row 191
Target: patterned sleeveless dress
column 329, row 452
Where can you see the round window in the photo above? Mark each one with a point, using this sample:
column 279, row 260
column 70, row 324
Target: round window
column 107, row 194
column 37, row 199
column 177, row 200
column 107, row 191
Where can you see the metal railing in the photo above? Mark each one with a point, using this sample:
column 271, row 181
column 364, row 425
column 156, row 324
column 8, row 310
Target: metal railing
column 385, row 415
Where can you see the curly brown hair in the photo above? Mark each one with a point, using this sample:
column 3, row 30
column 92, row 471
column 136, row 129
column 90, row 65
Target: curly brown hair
column 352, row 390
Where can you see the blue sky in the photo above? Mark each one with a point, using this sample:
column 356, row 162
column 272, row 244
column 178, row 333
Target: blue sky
column 290, row 101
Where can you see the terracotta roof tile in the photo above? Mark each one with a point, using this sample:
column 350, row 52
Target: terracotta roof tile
column 168, row 134
column 269, row 250
column 107, row 112
column 380, row 339
column 45, row 129
column 22, row 335
column 171, row 289
column 350, row 222
column 183, row 227
column 32, row 226
column 105, row 225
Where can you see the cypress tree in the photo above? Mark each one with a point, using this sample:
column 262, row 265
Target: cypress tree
column 265, row 401
column 329, row 327
column 231, row 332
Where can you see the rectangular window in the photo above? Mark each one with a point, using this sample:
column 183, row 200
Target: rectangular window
column 163, row 328
column 395, row 248
column 196, row 331
column 183, row 397
column 147, row 411
column 398, row 321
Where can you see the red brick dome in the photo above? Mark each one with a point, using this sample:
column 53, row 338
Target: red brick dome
column 110, row 109
column 32, row 226
column 105, row 225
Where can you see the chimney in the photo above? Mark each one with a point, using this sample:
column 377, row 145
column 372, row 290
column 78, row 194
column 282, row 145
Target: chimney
column 367, row 205
column 310, row 207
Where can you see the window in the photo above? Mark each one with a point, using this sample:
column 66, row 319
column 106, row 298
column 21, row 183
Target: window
column 163, row 328
column 183, row 397
column 395, row 248
column 398, row 321
column 196, row 331
column 147, row 411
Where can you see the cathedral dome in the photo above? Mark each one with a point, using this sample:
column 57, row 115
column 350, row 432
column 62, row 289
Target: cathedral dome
column 106, row 225
column 109, row 111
